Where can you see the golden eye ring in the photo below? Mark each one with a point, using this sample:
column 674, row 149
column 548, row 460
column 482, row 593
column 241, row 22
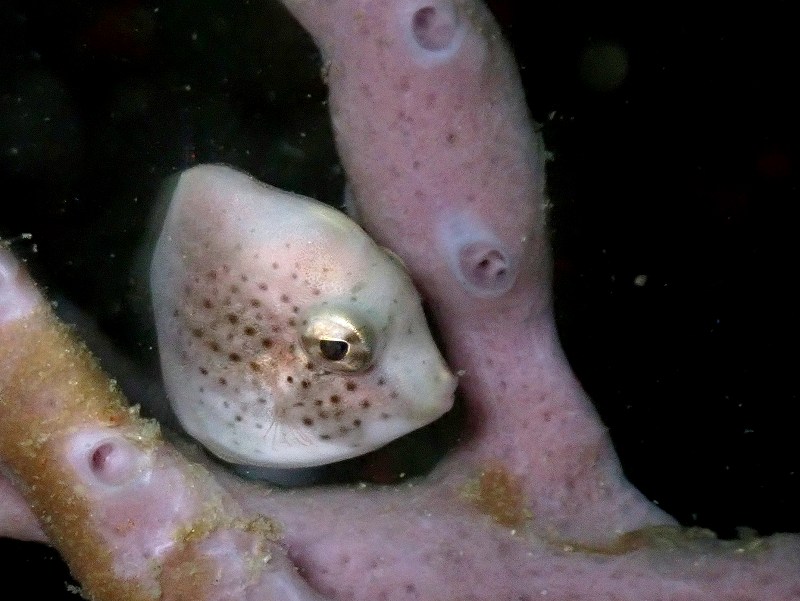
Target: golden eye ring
column 338, row 341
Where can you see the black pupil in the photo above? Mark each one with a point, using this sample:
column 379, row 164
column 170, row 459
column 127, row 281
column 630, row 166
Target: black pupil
column 333, row 350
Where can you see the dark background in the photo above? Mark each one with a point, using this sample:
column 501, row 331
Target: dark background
column 675, row 145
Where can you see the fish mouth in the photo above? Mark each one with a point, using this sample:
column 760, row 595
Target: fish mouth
column 443, row 398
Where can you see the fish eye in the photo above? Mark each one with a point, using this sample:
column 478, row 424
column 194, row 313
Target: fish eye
column 339, row 341
column 333, row 350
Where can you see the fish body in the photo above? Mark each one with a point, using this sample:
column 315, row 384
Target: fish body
column 287, row 337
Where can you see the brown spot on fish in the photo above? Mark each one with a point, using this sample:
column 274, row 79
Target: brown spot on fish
column 225, row 318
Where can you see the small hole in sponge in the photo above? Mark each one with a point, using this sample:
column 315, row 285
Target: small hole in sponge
column 434, row 29
column 112, row 462
column 486, row 268
column 101, row 456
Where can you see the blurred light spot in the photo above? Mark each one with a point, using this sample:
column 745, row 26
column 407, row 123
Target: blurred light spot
column 603, row 66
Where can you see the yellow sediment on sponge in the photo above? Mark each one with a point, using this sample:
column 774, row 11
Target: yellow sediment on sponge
column 497, row 493
column 50, row 383
column 50, row 387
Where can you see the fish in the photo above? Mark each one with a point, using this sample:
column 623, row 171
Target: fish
column 287, row 337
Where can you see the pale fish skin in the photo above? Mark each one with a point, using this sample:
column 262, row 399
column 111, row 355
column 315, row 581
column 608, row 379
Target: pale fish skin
column 287, row 337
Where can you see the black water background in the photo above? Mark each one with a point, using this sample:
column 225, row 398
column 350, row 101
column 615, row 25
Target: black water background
column 686, row 173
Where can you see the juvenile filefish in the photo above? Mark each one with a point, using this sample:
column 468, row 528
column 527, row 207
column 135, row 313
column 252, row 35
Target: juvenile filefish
column 287, row 337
